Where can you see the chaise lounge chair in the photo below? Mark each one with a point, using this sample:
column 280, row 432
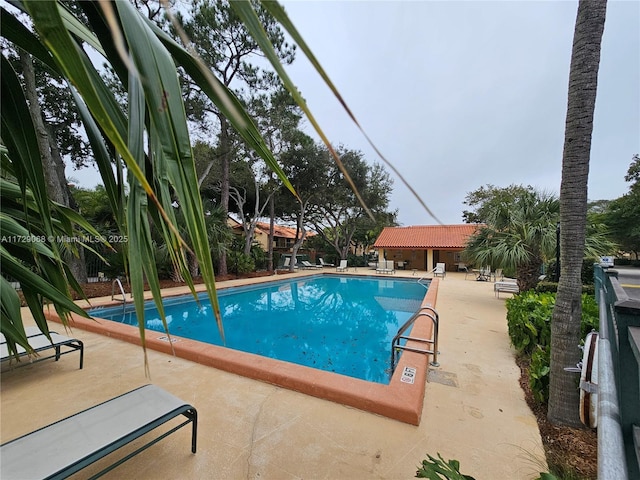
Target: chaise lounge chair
column 325, row 264
column 40, row 343
column 307, row 264
column 286, row 264
column 69, row 445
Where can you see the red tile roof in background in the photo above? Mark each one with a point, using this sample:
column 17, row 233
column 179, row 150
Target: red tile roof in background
column 278, row 230
column 426, row 236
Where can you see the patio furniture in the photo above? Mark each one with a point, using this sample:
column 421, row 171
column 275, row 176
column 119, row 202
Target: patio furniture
column 60, row 344
column 307, row 264
column 325, row 264
column 386, row 267
column 69, row 445
column 286, row 265
column 342, row 267
column 484, row 274
column 506, row 286
column 498, row 273
column 439, row 271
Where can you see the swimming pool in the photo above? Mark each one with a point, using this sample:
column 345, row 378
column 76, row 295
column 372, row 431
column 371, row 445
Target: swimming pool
column 340, row 324
column 401, row 399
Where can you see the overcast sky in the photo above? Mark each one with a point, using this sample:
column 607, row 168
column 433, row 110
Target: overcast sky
column 460, row 94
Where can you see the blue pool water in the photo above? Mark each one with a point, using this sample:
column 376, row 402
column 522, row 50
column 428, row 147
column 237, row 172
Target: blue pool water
column 339, row 324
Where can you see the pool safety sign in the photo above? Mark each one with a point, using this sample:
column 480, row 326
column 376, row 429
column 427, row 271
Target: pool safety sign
column 408, row 375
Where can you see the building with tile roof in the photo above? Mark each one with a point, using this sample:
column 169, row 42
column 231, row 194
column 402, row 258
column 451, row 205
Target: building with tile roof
column 283, row 237
column 423, row 246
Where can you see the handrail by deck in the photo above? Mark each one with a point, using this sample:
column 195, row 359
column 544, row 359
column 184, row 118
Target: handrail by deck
column 611, row 458
column 618, row 416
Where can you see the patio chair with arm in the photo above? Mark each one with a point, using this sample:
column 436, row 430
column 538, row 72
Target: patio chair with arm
column 485, row 274
column 439, row 271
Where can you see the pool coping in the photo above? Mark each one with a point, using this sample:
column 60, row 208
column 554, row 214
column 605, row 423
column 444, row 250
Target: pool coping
column 399, row 400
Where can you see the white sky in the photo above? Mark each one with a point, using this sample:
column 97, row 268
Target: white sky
column 460, row 94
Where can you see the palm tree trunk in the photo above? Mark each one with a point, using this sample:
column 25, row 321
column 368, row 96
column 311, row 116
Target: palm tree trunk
column 565, row 326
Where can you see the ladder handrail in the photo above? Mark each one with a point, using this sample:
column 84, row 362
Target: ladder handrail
column 124, row 296
column 395, row 346
column 113, row 284
column 424, row 285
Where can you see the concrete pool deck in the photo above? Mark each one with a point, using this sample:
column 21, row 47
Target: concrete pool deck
column 474, row 410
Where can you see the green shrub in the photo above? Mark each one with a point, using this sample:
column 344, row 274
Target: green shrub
column 590, row 315
column 552, row 287
column 539, row 373
column 259, row 256
column 438, row 469
column 239, row 262
column 529, row 318
column 546, row 287
column 529, row 322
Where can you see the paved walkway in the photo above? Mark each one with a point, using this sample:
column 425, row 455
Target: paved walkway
column 474, row 409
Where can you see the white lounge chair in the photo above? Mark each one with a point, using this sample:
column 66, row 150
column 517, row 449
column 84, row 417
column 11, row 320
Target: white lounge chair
column 325, row 264
column 307, row 264
column 386, row 267
column 342, row 267
column 286, row 264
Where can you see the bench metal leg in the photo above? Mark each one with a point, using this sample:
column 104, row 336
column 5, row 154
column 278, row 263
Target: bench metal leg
column 192, row 416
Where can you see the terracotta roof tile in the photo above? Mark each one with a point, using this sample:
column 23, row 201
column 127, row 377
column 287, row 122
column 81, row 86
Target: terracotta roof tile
column 426, row 236
column 280, row 231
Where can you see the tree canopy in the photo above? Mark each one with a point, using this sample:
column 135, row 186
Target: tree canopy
column 622, row 215
column 520, row 231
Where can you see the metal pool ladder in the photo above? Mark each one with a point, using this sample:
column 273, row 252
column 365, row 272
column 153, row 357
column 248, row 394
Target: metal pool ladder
column 426, row 311
column 113, row 295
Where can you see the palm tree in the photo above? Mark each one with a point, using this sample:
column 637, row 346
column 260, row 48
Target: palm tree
column 519, row 235
column 149, row 135
column 565, row 325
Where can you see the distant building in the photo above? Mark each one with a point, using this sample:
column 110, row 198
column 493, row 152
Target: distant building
column 423, row 246
column 283, row 237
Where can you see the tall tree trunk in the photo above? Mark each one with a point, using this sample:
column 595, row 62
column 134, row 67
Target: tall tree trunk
column 272, row 215
column 301, row 234
column 225, row 150
column 565, row 326
column 53, row 165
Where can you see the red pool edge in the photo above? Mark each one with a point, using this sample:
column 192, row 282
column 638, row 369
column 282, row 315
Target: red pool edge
column 398, row 400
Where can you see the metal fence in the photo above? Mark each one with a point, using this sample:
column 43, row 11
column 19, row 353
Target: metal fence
column 618, row 380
